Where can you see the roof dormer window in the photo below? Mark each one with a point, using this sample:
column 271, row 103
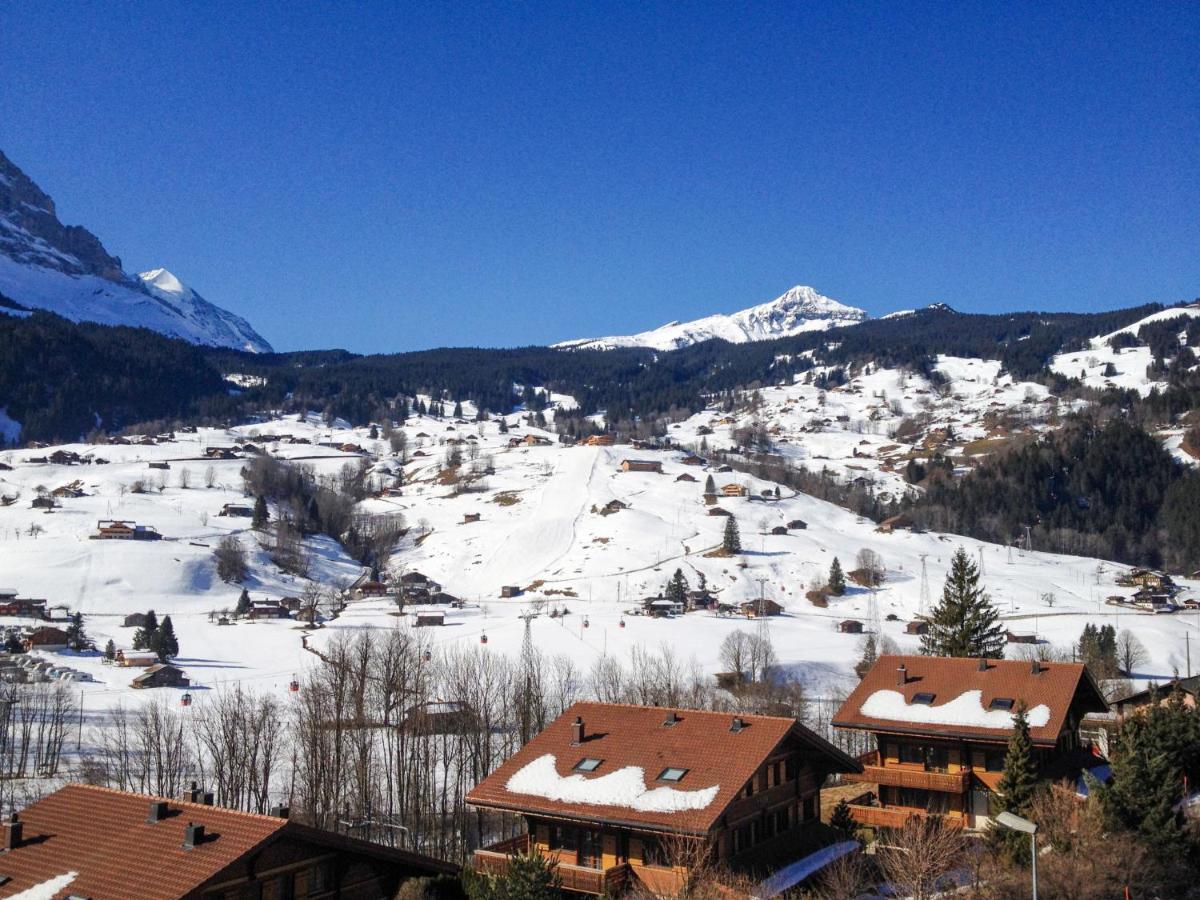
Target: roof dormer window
column 672, row 773
column 588, row 764
column 1005, row 703
column 924, row 698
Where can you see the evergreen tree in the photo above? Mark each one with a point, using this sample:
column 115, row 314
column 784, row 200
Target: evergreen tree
column 458, row 409
column 842, row 820
column 1142, row 792
column 110, row 650
column 964, row 623
column 869, row 655
column 526, row 877
column 373, row 434
column 261, row 513
column 1018, row 784
column 710, row 486
column 732, row 541
column 243, row 603
column 12, row 643
column 677, row 588
column 165, row 644
column 76, row 635
column 837, row 579
column 503, row 426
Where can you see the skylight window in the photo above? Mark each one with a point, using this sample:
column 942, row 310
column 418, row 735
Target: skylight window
column 672, row 774
column 1001, row 703
column 588, row 764
column 924, row 697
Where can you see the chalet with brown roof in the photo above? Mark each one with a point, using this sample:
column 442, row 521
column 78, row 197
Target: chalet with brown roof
column 1140, row 701
column 641, row 465
column 46, row 638
column 895, row 523
column 118, row 530
column 612, row 791
column 850, row 626
column 237, row 510
column 733, row 489
column 685, row 476
column 599, row 440
column 754, row 609
column 136, row 659
column 942, row 725
column 161, row 675
column 102, row 843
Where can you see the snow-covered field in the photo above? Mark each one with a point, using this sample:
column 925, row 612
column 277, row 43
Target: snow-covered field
column 540, row 528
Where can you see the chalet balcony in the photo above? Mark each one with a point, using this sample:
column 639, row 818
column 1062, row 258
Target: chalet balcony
column 493, row 860
column 896, row 816
column 906, row 776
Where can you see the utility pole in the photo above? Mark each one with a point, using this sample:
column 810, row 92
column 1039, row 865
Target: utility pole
column 924, row 585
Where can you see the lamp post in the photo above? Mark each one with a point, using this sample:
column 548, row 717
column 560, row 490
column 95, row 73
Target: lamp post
column 1016, row 823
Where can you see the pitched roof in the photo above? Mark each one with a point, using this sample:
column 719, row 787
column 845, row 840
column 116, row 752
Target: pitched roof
column 952, row 711
column 102, row 835
column 635, row 745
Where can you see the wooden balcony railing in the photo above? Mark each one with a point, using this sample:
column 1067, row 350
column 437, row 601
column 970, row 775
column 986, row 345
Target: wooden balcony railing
column 908, row 776
column 896, row 816
column 493, row 860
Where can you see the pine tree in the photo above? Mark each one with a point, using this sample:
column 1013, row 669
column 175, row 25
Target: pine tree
column 1018, row 784
column 110, row 650
column 373, row 434
column 842, row 820
column 261, row 514
column 458, row 409
column 710, row 486
column 964, row 623
column 1143, row 790
column 837, row 580
column 869, row 655
column 243, row 603
column 677, row 588
column 732, row 541
column 165, row 644
column 76, row 635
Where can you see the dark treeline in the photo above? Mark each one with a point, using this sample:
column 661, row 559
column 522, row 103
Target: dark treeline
column 1109, row 491
column 63, row 380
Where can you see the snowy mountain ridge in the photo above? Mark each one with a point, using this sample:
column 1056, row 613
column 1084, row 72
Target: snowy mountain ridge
column 64, row 269
column 797, row 310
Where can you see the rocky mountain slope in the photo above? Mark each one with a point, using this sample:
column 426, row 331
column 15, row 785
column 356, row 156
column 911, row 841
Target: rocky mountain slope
column 799, row 309
column 65, row 269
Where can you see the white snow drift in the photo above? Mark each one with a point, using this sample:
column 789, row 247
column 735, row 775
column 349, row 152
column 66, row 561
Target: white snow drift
column 966, row 709
column 624, row 787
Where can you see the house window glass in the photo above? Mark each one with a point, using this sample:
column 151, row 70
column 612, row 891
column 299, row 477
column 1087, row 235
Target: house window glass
column 588, row 764
column 1004, row 703
column 994, row 761
column 911, row 753
column 320, row 877
column 653, row 853
column 672, row 774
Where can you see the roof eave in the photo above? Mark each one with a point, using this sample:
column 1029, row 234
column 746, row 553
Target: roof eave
column 998, row 738
column 594, row 820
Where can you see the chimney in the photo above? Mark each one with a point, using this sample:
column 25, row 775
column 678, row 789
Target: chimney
column 577, row 731
column 192, row 835
column 901, row 675
column 672, row 718
column 1035, row 668
column 983, row 666
column 206, row 797
column 281, row 812
column 737, row 725
column 192, row 795
column 12, row 832
column 158, row 811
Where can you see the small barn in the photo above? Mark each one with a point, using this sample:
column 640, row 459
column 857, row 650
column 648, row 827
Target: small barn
column 685, row 477
column 718, row 511
column 797, row 524
column 161, row 675
column 850, row 626
column 916, row 626
column 1020, row 637
column 641, row 465
column 135, row 620
column 136, row 659
column 509, row 591
column 237, row 510
column 753, row 609
column 779, row 529
column 429, row 618
column 267, row 609
column 895, row 523
column 468, row 518
column 46, row 638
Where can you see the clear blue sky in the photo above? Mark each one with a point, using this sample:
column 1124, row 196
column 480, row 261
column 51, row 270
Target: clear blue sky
column 391, row 176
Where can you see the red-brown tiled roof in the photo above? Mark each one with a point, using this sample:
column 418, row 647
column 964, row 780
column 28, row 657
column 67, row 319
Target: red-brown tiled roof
column 103, row 835
column 700, row 742
column 1057, row 685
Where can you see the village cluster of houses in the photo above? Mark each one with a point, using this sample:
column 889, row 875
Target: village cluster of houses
column 1155, row 592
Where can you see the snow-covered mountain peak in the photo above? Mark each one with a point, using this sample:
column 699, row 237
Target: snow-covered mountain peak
column 65, row 269
column 799, row 309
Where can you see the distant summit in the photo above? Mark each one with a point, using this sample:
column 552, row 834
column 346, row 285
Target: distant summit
column 799, row 309
column 65, row 269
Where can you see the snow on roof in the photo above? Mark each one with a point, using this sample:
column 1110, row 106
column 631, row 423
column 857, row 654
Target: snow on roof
column 625, row 787
column 965, row 709
column 47, row 890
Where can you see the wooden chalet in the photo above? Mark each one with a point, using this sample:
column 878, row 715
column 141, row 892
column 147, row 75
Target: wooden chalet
column 267, row 609
column 754, row 609
column 693, row 460
column 942, row 726
column 733, row 489
column 429, row 619
column 134, row 620
column 599, row 440
column 46, row 637
column 916, row 626
column 12, row 605
column 118, row 530
column 1140, row 701
column 641, row 465
column 895, row 523
column 102, row 843
column 685, row 476
column 850, row 626
column 135, row 659
column 510, row 590
column 622, row 796
column 237, row 510
column 161, row 675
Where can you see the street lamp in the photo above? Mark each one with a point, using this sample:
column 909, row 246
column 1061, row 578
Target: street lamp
column 1016, row 823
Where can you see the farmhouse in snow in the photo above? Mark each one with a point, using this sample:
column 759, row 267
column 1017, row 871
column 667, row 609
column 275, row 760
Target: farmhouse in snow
column 610, row 789
column 942, row 726
column 641, row 465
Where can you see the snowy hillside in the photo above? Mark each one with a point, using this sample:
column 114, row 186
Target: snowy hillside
column 65, row 269
column 800, row 309
column 563, row 524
